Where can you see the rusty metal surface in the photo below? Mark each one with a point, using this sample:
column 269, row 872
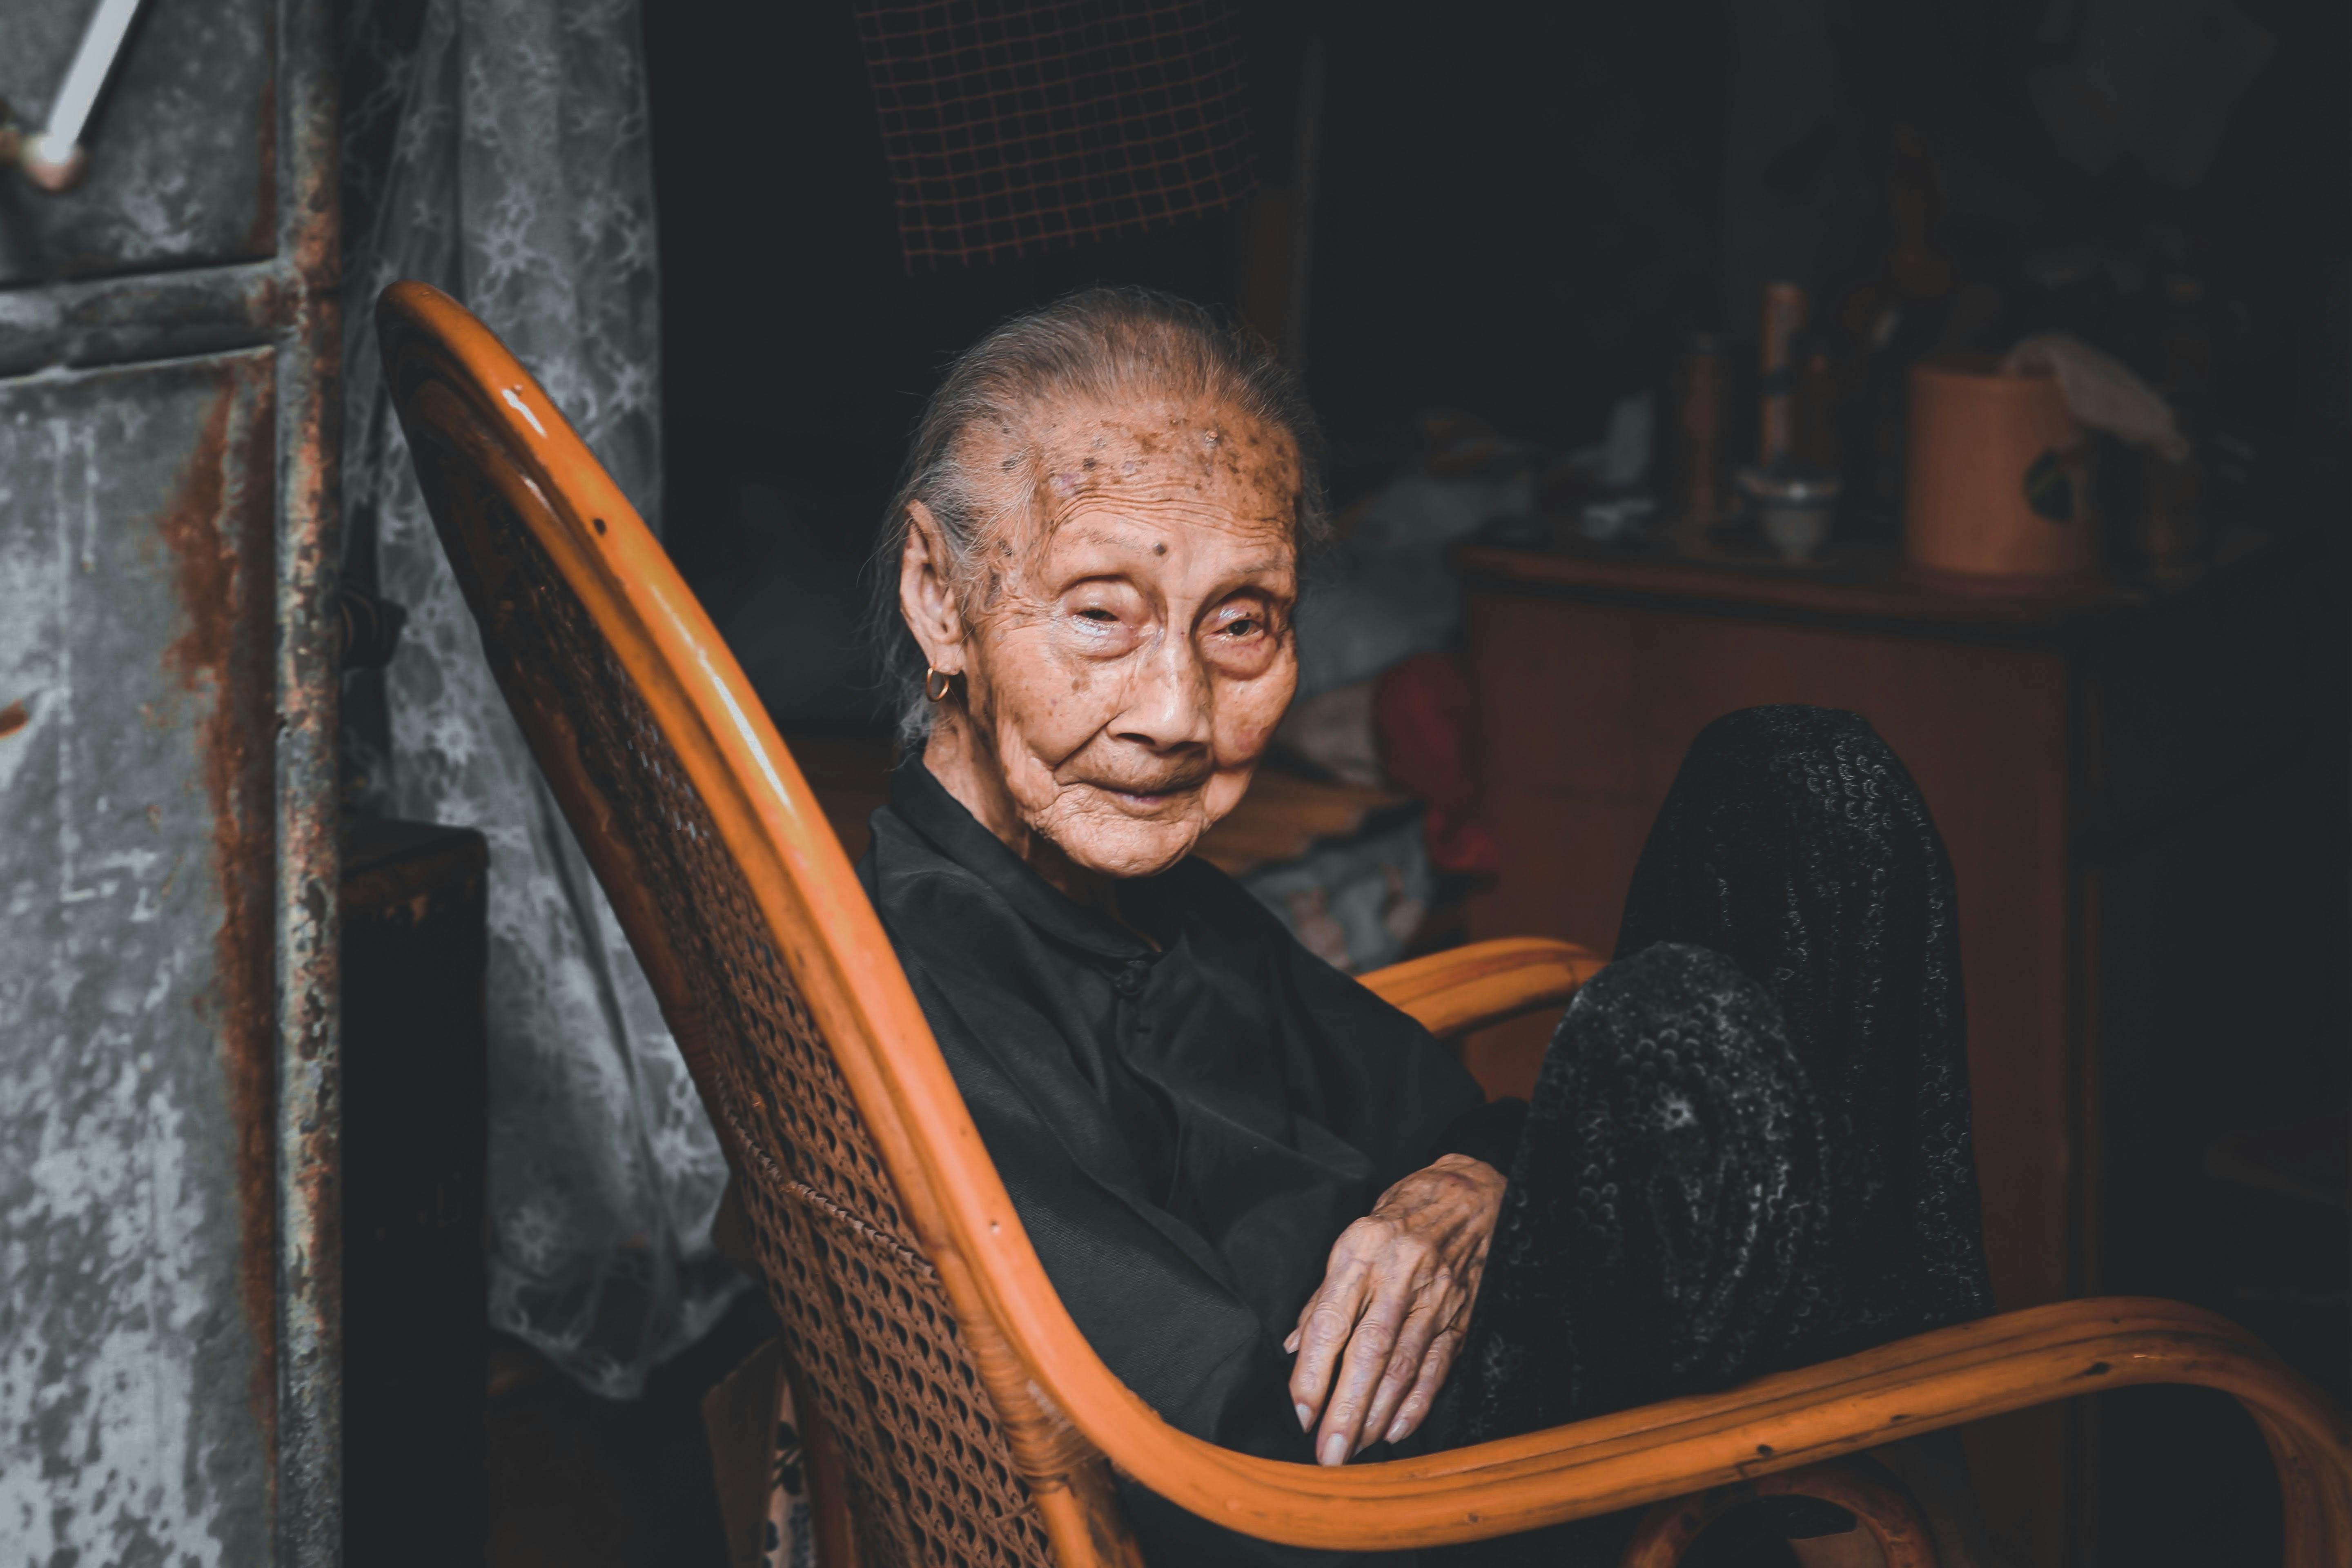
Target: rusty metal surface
column 170, row 1354
column 180, row 154
column 115, row 320
column 136, row 515
column 309, row 1129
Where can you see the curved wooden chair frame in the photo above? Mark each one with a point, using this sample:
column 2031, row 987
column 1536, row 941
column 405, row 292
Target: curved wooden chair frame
column 480, row 426
column 1881, row 1507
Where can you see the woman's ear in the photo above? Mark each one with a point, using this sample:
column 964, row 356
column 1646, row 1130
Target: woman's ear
column 926, row 598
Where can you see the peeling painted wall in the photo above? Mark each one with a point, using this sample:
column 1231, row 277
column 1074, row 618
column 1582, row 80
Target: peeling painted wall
column 135, row 1397
column 168, row 1337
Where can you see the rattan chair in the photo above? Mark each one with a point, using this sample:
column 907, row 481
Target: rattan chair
column 971, row 1422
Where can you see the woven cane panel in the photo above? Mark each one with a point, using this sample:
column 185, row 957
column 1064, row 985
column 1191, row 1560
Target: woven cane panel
column 932, row 1479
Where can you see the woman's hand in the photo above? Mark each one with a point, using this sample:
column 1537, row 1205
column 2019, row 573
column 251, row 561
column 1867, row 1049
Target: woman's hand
column 1393, row 1306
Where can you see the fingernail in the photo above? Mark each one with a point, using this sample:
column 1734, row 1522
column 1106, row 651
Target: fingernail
column 1306, row 1417
column 1292, row 1343
column 1396, row 1430
column 1335, row 1450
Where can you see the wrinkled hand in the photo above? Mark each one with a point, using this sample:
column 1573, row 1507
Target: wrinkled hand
column 1393, row 1309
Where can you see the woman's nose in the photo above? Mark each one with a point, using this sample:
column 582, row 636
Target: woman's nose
column 1168, row 702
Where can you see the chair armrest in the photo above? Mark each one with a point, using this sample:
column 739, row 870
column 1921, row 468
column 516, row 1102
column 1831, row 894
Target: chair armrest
column 1484, row 983
column 1636, row 1457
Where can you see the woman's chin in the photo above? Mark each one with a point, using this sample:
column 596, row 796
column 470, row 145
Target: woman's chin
column 1110, row 843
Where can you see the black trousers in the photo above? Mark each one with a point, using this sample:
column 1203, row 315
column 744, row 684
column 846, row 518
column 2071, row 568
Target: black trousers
column 1747, row 1148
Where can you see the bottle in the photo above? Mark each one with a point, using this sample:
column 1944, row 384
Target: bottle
column 1818, row 447
column 1890, row 324
column 1784, row 318
column 1698, row 493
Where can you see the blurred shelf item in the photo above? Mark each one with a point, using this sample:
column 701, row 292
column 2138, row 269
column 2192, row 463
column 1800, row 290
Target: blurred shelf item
column 1284, row 814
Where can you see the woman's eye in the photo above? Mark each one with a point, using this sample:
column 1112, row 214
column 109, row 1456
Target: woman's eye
column 1096, row 613
column 1238, row 623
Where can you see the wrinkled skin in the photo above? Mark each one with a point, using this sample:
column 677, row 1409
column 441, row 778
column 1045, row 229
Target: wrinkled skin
column 1393, row 1306
column 1123, row 650
column 1125, row 645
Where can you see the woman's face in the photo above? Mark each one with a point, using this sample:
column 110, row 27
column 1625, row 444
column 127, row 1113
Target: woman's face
column 1126, row 648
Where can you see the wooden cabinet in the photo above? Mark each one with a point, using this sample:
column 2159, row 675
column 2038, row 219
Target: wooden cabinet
column 2121, row 775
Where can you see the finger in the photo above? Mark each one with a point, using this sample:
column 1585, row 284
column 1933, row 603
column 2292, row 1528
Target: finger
column 1421, row 1326
column 1322, row 1333
column 1352, row 1258
column 1434, row 1364
column 1324, row 1327
column 1369, row 1348
column 1298, row 1406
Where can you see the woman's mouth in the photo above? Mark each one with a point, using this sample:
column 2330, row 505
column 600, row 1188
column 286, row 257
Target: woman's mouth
column 1143, row 800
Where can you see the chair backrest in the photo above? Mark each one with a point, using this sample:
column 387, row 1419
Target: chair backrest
column 770, row 965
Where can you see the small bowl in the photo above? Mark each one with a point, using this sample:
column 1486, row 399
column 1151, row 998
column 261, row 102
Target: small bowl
column 1794, row 509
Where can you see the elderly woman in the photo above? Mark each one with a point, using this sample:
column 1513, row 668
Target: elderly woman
column 1281, row 1211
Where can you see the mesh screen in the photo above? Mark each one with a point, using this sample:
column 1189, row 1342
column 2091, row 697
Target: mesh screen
column 932, row 1479
column 1014, row 128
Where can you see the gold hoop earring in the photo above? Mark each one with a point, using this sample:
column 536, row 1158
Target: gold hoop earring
column 944, row 680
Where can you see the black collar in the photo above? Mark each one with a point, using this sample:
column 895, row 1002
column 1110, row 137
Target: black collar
column 925, row 805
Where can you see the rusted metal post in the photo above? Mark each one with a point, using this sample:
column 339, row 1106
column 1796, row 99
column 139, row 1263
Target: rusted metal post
column 309, row 1119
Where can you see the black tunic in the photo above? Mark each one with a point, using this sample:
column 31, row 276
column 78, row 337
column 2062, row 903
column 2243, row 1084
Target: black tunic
column 1185, row 1132
column 1749, row 1150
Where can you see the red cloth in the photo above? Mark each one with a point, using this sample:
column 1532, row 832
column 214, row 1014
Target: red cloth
column 1426, row 720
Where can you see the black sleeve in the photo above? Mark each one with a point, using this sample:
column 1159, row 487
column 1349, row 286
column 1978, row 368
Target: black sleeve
column 1488, row 1133
column 1359, row 1066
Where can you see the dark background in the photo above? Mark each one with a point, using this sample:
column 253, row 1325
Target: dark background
column 1523, row 210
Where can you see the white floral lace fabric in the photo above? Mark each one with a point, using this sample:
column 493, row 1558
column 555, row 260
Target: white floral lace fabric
column 500, row 150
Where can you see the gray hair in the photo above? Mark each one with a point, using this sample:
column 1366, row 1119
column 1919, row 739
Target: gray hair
column 1098, row 345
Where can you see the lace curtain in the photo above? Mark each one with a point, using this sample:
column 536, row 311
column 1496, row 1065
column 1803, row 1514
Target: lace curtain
column 499, row 149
